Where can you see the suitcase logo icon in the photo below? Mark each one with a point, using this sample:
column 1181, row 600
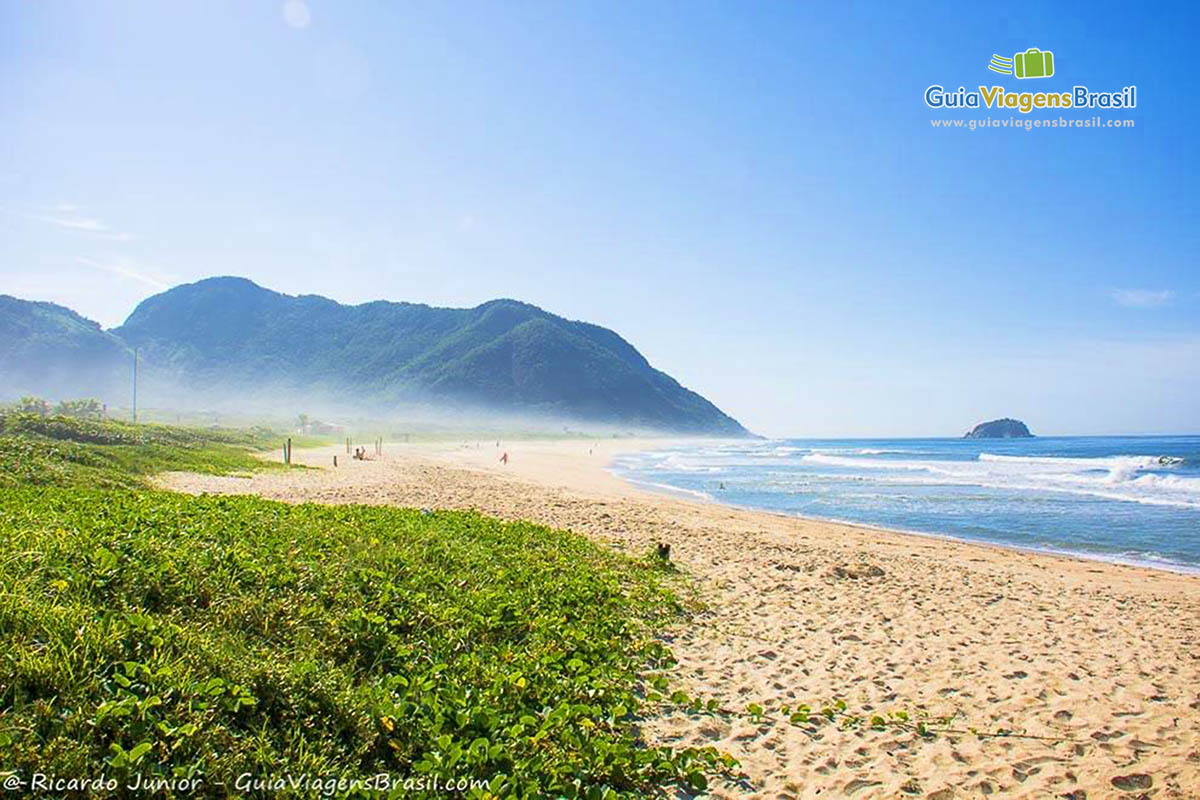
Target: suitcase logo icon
column 1033, row 63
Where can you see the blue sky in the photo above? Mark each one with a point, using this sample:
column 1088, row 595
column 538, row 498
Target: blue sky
column 751, row 193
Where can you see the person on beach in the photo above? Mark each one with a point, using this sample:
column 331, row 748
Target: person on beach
column 504, row 458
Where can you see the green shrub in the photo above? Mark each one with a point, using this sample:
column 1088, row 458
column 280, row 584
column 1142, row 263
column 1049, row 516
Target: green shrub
column 30, row 404
column 68, row 451
column 88, row 408
column 163, row 635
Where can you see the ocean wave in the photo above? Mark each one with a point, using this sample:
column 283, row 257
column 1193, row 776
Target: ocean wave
column 1134, row 491
column 1146, row 479
column 1098, row 462
column 1135, row 508
column 1124, row 478
column 853, row 451
column 870, row 463
column 685, row 465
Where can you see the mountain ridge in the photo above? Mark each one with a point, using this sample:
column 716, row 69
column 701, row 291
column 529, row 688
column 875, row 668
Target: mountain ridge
column 503, row 355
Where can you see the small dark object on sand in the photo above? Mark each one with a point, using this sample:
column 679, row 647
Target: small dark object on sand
column 664, row 551
column 856, row 571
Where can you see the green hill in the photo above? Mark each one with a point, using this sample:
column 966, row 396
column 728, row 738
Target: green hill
column 229, row 334
column 48, row 349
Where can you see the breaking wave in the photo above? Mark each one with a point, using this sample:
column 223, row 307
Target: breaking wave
column 1090, row 496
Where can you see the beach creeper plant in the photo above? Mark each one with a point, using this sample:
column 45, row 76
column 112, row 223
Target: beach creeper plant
column 154, row 636
column 38, row 450
column 208, row 637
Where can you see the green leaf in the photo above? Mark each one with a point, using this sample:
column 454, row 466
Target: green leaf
column 139, row 750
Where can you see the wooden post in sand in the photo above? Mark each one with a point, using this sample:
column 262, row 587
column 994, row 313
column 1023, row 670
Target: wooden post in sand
column 347, row 444
column 287, row 458
column 335, row 461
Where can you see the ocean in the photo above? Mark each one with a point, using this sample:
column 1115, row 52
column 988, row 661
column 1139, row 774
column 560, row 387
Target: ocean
column 1130, row 499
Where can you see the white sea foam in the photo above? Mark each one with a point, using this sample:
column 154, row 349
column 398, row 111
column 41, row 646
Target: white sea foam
column 1122, row 477
column 690, row 464
column 1102, row 462
column 1126, row 478
column 870, row 463
column 1070, row 500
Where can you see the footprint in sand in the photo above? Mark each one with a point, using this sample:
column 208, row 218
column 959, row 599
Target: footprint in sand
column 1131, row 783
column 857, row 784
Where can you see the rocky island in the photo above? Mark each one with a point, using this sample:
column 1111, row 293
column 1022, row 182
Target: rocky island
column 999, row 429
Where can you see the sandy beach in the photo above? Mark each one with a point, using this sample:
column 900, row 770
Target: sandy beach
column 1095, row 665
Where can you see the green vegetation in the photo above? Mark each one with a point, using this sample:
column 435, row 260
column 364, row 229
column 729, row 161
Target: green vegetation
column 49, row 349
column 88, row 408
column 68, row 451
column 169, row 637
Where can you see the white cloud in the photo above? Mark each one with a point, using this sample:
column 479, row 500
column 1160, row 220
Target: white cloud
column 67, row 216
column 125, row 268
column 1142, row 298
column 77, row 223
column 295, row 13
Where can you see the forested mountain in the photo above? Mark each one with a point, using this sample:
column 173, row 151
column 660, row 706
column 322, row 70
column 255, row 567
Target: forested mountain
column 48, row 349
column 504, row 356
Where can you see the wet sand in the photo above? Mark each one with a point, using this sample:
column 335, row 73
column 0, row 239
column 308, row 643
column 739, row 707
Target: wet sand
column 1102, row 660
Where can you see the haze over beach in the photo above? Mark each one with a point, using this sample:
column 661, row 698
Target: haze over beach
column 673, row 400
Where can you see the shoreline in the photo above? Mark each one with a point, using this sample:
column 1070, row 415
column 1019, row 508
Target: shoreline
column 1069, row 555
column 1099, row 658
column 695, row 495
